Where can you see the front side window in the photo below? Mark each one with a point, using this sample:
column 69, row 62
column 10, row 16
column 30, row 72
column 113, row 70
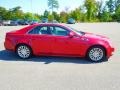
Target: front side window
column 59, row 31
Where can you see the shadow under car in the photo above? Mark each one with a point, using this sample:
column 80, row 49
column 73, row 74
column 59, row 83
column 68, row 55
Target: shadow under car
column 11, row 56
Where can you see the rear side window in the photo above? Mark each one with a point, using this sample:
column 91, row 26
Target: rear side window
column 34, row 30
column 40, row 30
column 43, row 30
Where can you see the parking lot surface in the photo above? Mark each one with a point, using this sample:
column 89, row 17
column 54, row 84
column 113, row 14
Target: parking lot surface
column 59, row 73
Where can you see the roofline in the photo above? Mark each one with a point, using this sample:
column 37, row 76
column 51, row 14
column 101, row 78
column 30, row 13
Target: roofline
column 49, row 24
column 56, row 24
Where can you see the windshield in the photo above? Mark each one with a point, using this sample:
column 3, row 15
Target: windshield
column 77, row 31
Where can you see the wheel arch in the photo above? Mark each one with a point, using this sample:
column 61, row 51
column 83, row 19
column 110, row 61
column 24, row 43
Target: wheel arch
column 23, row 44
column 96, row 45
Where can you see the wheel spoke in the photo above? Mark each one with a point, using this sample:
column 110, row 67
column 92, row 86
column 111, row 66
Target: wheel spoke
column 96, row 54
column 23, row 51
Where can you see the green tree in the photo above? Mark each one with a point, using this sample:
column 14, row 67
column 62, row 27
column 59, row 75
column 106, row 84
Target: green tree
column 28, row 16
column 111, row 6
column 3, row 13
column 46, row 14
column 100, row 9
column 37, row 17
column 76, row 14
column 91, row 8
column 8, row 15
column 53, row 4
column 56, row 16
column 118, row 12
column 116, row 15
column 63, row 17
column 16, row 12
column 117, row 3
column 50, row 17
column 106, row 16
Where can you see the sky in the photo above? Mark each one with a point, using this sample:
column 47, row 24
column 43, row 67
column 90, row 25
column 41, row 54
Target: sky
column 39, row 6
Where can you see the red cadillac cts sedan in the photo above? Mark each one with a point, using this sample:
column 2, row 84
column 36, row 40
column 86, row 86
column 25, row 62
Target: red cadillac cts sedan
column 57, row 40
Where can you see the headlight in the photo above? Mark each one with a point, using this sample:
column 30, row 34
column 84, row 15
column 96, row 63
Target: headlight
column 109, row 42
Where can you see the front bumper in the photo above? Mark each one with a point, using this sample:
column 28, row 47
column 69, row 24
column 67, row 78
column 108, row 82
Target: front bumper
column 110, row 51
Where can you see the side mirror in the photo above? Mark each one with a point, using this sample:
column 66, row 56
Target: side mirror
column 71, row 34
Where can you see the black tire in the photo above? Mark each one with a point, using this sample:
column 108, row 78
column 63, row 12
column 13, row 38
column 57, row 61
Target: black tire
column 23, row 51
column 96, row 56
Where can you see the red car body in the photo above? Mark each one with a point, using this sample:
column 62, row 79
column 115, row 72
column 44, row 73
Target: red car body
column 56, row 45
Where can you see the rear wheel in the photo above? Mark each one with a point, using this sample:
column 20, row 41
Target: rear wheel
column 96, row 54
column 23, row 51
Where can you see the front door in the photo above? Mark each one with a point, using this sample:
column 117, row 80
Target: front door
column 64, row 44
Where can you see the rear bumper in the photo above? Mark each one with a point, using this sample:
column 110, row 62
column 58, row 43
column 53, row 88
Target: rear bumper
column 9, row 46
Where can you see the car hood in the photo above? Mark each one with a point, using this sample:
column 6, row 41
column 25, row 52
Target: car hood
column 95, row 36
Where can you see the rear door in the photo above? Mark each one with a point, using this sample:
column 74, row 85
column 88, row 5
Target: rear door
column 41, row 40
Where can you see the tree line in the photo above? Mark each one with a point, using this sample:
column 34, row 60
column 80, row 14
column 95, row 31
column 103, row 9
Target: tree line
column 90, row 11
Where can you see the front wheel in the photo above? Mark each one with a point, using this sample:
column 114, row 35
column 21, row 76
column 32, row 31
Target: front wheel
column 96, row 54
column 23, row 51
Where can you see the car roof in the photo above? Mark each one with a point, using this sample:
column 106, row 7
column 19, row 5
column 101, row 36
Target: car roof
column 51, row 24
column 45, row 24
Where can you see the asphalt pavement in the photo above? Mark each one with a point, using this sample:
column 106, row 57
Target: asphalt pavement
column 60, row 73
